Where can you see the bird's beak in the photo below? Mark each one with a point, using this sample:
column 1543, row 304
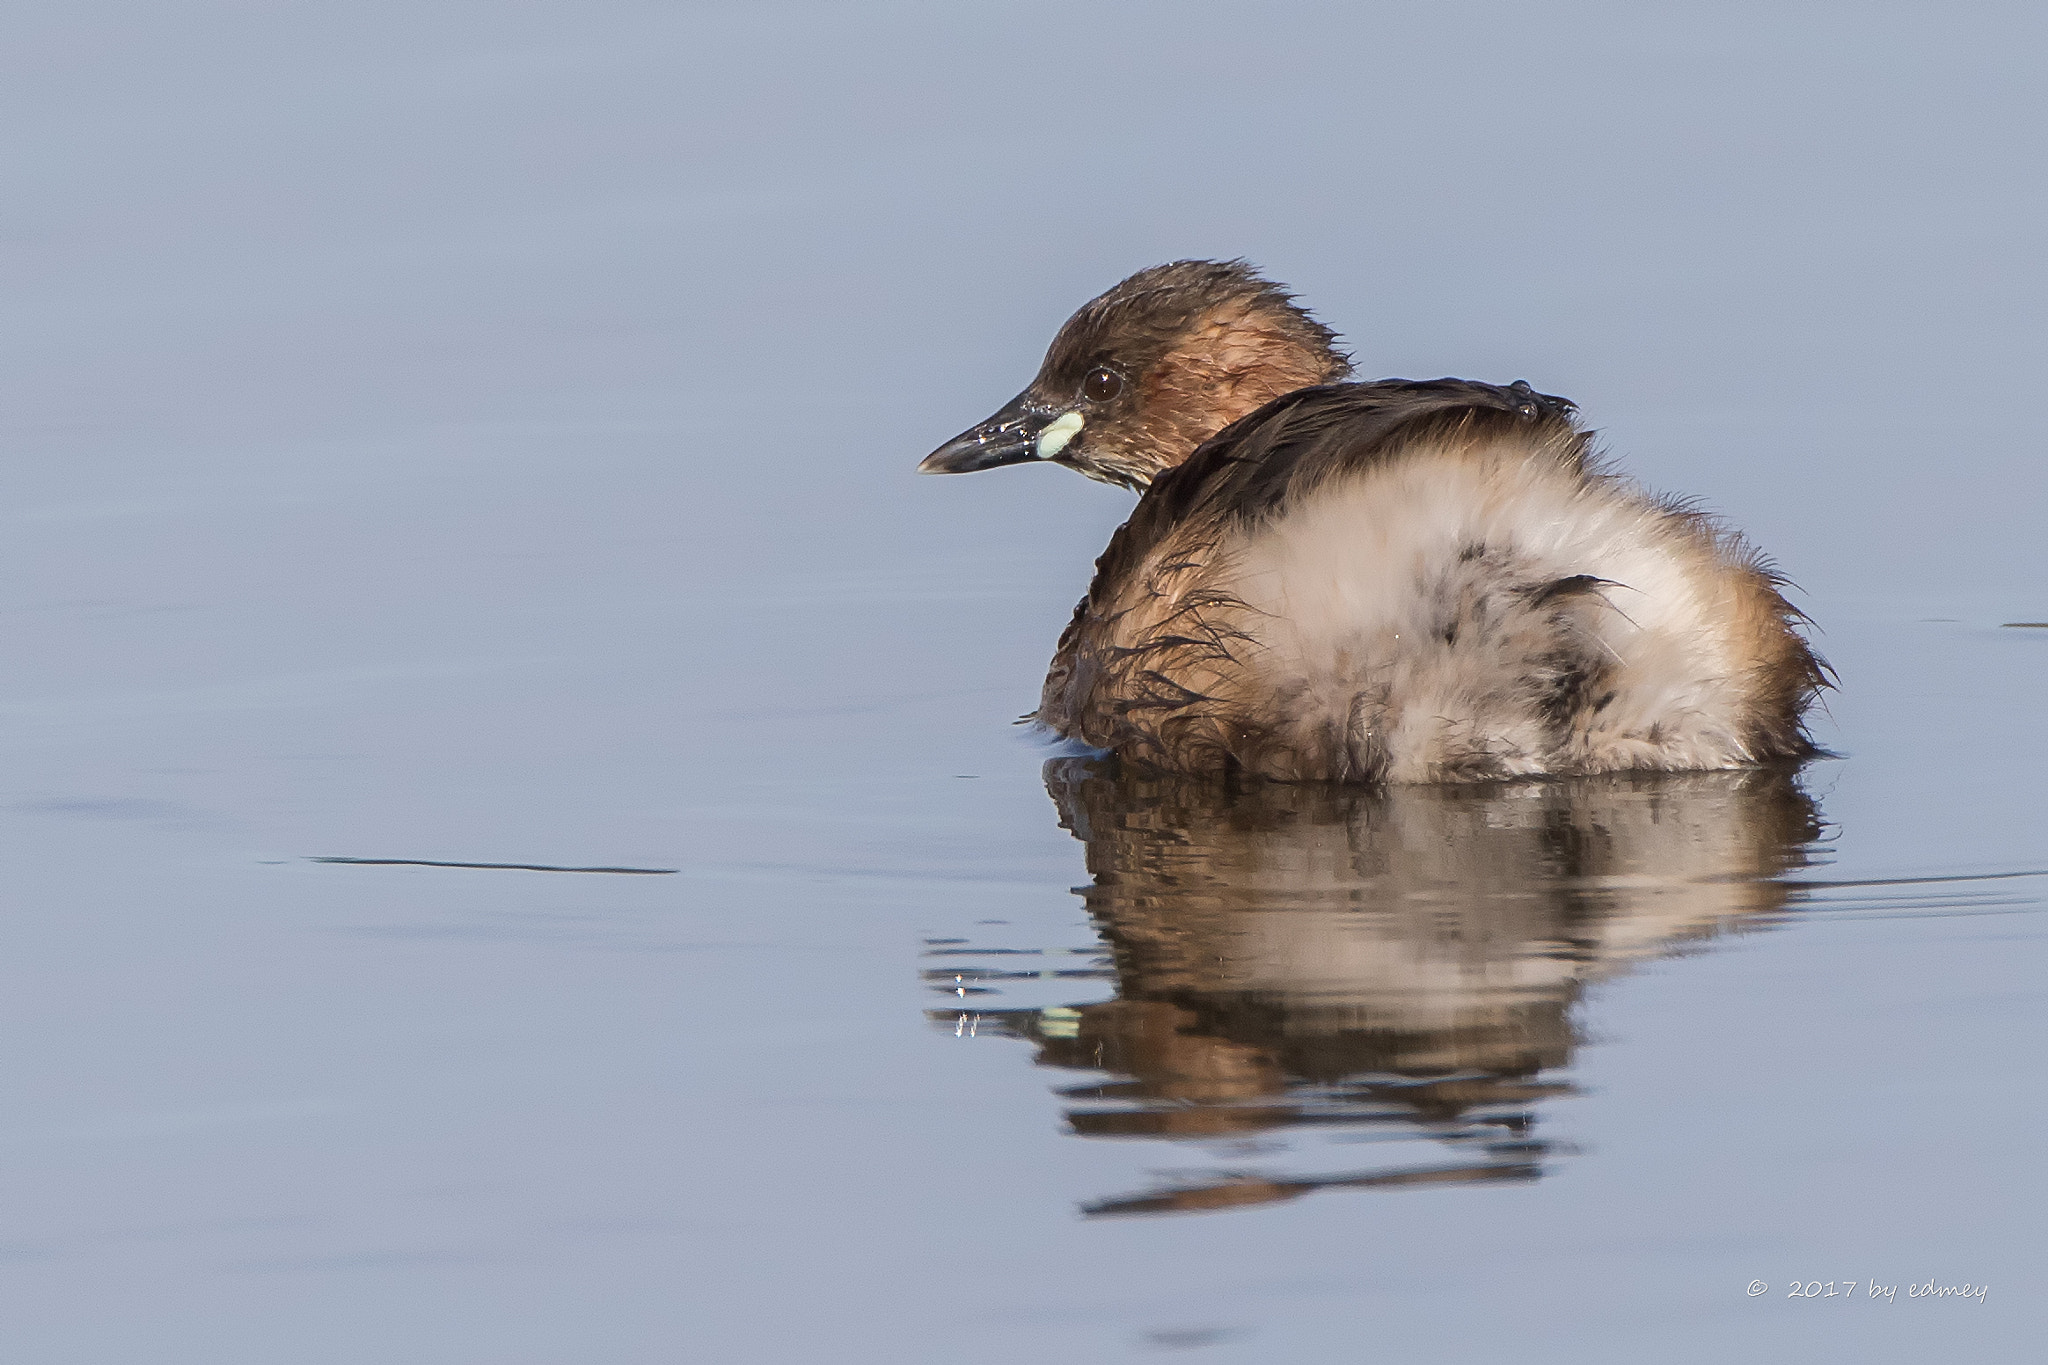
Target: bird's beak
column 1022, row 430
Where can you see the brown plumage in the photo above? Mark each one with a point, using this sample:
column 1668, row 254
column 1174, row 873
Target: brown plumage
column 1395, row 581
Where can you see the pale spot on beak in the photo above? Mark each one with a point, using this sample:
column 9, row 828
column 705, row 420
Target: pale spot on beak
column 1058, row 432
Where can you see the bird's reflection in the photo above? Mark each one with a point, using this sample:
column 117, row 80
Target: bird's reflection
column 1392, row 965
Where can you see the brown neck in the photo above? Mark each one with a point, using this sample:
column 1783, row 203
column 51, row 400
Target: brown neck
column 1229, row 372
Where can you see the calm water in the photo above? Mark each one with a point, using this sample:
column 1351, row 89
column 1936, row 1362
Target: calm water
column 458, row 435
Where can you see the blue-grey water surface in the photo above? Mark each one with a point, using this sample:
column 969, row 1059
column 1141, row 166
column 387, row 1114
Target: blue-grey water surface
column 470, row 433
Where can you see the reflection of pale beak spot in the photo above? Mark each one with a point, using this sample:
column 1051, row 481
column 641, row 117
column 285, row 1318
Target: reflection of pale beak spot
column 1060, row 1022
column 1057, row 433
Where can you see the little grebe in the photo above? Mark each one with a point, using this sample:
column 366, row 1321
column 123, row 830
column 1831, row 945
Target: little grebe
column 1388, row 582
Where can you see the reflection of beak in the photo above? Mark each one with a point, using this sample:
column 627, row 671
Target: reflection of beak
column 1021, row 430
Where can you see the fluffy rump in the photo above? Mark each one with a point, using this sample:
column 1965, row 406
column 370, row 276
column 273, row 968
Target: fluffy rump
column 1425, row 582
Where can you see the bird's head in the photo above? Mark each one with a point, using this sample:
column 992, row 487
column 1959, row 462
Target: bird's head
column 1148, row 371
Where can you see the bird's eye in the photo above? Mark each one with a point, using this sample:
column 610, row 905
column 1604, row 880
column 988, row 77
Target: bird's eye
column 1102, row 384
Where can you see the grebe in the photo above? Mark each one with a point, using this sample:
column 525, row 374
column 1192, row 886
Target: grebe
column 1377, row 582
